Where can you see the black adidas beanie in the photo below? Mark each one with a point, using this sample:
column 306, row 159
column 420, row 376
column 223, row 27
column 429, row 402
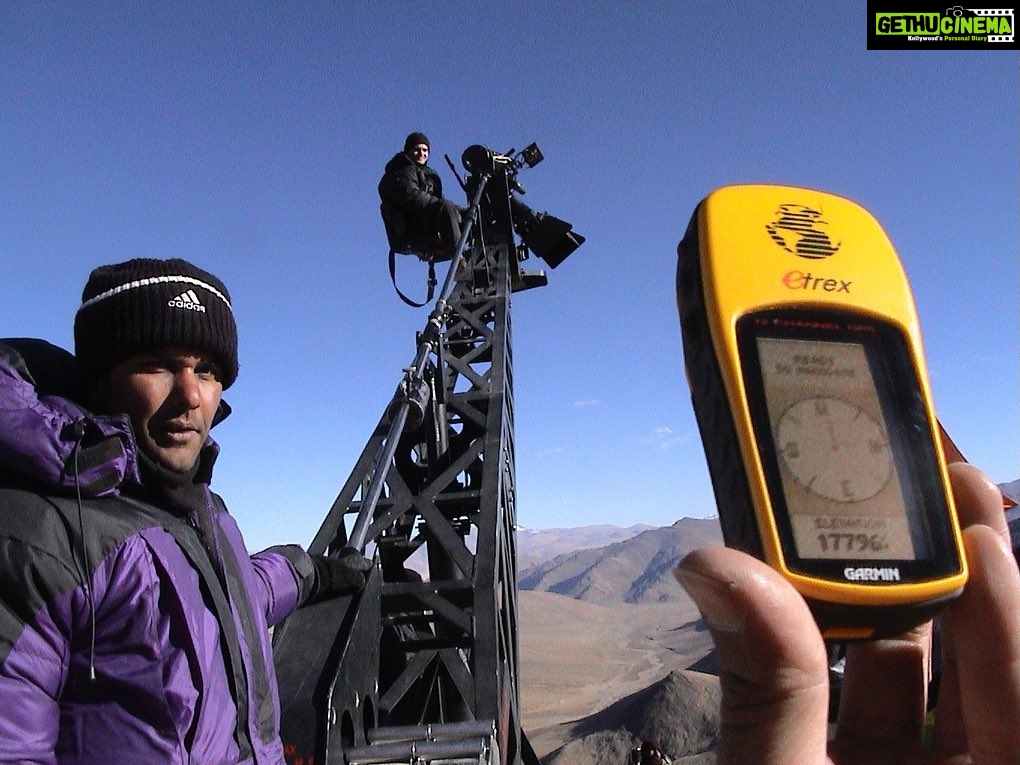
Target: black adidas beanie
column 144, row 304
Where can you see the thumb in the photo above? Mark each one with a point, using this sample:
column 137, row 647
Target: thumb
column 773, row 665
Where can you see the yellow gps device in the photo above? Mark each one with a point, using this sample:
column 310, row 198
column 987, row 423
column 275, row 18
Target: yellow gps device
column 803, row 354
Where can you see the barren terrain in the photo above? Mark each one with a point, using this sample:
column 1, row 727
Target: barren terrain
column 578, row 658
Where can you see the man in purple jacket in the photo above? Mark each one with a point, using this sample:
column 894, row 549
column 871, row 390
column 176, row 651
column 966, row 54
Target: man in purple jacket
column 133, row 622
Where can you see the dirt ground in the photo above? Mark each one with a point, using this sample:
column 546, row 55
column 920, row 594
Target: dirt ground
column 577, row 658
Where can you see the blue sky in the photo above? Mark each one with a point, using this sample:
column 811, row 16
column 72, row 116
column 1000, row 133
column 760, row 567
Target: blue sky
column 248, row 137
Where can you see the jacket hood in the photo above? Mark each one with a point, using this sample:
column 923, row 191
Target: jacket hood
column 398, row 161
column 47, row 436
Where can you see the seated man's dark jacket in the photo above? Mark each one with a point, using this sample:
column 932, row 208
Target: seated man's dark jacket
column 412, row 196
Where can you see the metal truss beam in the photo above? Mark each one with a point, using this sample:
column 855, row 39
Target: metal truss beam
column 432, row 641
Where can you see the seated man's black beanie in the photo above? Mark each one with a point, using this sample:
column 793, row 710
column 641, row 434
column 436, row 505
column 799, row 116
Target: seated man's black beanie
column 413, row 140
column 144, row 304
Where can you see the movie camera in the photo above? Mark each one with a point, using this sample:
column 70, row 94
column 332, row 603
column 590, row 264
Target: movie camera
column 502, row 212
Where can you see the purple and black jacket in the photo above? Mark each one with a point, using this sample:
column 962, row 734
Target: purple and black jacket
column 128, row 632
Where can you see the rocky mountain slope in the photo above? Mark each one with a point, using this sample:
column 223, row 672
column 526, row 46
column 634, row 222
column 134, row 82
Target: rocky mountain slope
column 606, row 639
column 635, row 570
column 537, row 546
column 579, row 659
column 680, row 712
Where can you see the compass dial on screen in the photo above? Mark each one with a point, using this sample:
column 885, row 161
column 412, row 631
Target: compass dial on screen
column 834, row 449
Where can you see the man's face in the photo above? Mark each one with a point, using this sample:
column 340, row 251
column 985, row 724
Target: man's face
column 171, row 396
column 420, row 153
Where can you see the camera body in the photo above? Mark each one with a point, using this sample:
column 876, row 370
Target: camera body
column 503, row 213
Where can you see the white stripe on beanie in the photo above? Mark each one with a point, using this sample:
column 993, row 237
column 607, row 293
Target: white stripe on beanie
column 155, row 280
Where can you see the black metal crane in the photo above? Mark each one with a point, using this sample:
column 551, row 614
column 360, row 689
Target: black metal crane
column 423, row 664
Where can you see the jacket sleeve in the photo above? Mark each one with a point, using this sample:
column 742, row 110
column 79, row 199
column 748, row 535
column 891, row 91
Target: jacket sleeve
column 287, row 573
column 29, row 714
column 34, row 648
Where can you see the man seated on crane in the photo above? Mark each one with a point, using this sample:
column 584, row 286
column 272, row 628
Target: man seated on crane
column 417, row 217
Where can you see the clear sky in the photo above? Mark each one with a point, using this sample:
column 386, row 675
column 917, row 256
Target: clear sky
column 248, row 137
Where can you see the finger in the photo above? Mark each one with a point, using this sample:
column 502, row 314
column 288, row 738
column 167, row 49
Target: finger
column 978, row 500
column 772, row 660
column 883, row 694
column 979, row 503
column 979, row 701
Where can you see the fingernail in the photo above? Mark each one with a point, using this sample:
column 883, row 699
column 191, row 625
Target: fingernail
column 715, row 599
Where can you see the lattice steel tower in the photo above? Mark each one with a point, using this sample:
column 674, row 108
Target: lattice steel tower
column 423, row 664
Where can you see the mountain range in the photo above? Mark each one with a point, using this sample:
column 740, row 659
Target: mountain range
column 635, row 569
column 609, row 564
column 536, row 546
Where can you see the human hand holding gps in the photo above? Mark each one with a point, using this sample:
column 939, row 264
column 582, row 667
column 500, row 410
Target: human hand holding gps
column 774, row 667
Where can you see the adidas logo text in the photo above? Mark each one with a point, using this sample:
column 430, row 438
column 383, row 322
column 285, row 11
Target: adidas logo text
column 187, row 300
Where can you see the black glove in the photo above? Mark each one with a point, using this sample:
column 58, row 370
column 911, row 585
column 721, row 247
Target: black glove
column 343, row 574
